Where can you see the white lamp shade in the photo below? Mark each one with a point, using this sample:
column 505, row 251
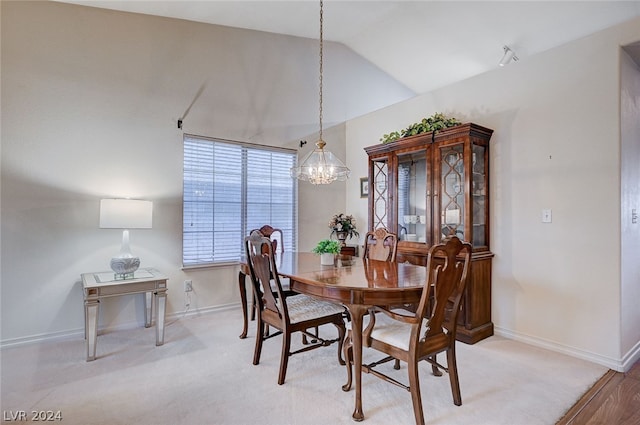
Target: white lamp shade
column 125, row 214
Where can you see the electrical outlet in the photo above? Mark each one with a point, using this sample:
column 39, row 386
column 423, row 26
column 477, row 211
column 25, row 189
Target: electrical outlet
column 188, row 286
column 546, row 216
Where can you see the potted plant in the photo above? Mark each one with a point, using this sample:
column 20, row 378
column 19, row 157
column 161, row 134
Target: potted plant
column 327, row 248
column 343, row 226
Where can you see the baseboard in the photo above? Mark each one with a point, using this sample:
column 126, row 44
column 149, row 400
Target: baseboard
column 619, row 365
column 79, row 332
column 631, row 357
column 52, row 336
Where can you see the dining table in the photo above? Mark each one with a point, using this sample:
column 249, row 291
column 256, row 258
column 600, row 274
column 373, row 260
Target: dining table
column 359, row 285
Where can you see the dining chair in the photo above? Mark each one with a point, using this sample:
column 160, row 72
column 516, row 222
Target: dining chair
column 275, row 235
column 380, row 244
column 296, row 313
column 412, row 337
column 277, row 240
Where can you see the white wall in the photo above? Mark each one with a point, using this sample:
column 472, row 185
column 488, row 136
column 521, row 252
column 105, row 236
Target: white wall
column 556, row 145
column 630, row 194
column 90, row 102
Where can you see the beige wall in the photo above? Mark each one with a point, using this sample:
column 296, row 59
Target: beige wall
column 556, row 145
column 90, row 102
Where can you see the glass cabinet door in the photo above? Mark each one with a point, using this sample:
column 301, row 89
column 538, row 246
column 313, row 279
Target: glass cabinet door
column 412, row 212
column 452, row 192
column 379, row 192
column 479, row 200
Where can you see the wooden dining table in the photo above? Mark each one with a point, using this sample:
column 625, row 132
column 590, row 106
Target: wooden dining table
column 359, row 286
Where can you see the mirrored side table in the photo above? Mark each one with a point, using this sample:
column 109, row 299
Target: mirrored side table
column 97, row 286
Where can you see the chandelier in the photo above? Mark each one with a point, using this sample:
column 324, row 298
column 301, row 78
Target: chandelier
column 321, row 166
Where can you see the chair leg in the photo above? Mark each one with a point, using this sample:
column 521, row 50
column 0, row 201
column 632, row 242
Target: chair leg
column 414, row 386
column 259, row 339
column 284, row 356
column 347, row 350
column 434, row 369
column 253, row 306
column 453, row 376
column 341, row 332
column 243, row 304
column 396, row 364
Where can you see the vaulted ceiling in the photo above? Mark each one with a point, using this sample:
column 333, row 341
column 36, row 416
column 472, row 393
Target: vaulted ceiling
column 422, row 44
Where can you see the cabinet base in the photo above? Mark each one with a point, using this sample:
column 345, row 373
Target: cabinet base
column 471, row 336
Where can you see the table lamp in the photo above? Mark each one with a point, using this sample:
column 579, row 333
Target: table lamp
column 125, row 214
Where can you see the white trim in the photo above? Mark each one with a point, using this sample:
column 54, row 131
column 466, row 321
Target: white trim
column 631, row 358
column 79, row 333
column 54, row 336
column 619, row 365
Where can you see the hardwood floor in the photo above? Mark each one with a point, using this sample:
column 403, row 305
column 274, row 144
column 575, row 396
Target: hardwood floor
column 613, row 400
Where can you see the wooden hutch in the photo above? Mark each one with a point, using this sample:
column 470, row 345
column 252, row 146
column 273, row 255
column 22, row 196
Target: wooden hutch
column 433, row 185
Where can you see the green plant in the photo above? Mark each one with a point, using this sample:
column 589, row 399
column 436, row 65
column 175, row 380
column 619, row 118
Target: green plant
column 343, row 223
column 327, row 246
column 437, row 121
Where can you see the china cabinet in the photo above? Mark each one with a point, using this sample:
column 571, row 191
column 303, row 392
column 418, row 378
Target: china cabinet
column 432, row 185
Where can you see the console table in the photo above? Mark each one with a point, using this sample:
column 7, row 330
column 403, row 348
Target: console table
column 97, row 286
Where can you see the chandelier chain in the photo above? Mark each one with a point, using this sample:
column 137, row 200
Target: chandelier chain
column 321, row 166
column 321, row 45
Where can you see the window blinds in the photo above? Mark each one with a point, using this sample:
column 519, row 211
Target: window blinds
column 230, row 189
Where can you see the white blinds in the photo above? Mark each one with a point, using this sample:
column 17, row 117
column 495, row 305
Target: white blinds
column 229, row 189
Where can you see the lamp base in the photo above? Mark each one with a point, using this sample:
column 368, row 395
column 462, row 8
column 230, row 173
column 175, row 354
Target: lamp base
column 124, row 267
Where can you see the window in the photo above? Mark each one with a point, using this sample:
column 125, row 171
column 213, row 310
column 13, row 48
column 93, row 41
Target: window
column 231, row 188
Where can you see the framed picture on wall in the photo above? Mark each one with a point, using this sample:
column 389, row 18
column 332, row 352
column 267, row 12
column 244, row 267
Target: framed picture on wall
column 364, row 187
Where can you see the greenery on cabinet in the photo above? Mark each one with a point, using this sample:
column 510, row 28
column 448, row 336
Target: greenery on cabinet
column 437, row 121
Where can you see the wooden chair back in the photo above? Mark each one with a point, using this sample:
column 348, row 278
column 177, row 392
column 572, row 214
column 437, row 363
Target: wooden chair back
column 448, row 266
column 275, row 235
column 266, row 284
column 380, row 245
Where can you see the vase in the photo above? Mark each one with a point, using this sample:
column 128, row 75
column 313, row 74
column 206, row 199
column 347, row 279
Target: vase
column 327, row 259
column 342, row 237
column 125, row 264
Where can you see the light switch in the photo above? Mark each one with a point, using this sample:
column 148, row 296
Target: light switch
column 546, row 216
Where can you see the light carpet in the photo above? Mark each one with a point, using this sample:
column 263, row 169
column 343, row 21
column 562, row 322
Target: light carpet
column 203, row 375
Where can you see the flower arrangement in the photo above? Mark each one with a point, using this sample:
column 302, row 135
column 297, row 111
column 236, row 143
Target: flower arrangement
column 341, row 223
column 327, row 246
